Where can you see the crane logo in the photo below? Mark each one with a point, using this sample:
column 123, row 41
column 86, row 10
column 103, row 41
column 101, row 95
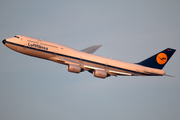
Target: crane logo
column 161, row 58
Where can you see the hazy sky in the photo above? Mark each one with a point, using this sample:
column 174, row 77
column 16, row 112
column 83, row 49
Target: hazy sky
column 36, row 89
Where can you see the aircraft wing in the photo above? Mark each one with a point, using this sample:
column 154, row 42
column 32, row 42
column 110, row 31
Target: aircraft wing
column 110, row 72
column 88, row 68
column 91, row 49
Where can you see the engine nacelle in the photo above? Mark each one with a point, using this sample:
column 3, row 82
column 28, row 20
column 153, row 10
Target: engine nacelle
column 100, row 74
column 74, row 68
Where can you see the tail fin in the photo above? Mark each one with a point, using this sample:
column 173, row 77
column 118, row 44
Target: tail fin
column 159, row 60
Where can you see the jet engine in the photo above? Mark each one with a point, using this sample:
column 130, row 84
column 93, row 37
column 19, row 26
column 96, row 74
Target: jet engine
column 100, row 74
column 74, row 68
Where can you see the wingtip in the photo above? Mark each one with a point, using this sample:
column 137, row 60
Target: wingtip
column 98, row 45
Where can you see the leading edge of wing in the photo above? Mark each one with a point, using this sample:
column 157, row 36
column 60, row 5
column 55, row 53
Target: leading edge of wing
column 91, row 49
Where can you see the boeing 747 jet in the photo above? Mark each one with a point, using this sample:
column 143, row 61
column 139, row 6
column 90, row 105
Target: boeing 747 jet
column 85, row 60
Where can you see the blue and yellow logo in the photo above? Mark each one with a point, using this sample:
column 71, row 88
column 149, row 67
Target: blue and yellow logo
column 161, row 58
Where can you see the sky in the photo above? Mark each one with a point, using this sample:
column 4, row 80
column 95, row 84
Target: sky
column 131, row 31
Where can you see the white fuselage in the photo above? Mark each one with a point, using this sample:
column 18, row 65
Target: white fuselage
column 48, row 50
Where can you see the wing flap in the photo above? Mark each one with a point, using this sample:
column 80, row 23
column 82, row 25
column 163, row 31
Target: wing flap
column 111, row 72
column 91, row 68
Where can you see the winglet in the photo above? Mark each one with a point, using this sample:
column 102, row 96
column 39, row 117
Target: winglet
column 91, row 49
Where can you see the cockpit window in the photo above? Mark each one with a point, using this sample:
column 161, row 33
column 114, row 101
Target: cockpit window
column 16, row 37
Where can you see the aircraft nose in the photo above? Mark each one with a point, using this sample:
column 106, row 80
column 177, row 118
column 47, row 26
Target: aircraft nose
column 4, row 41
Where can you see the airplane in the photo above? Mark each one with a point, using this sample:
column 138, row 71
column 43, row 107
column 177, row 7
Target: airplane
column 84, row 60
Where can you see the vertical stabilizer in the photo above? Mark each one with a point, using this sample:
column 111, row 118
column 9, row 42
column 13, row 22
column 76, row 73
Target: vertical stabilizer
column 158, row 60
